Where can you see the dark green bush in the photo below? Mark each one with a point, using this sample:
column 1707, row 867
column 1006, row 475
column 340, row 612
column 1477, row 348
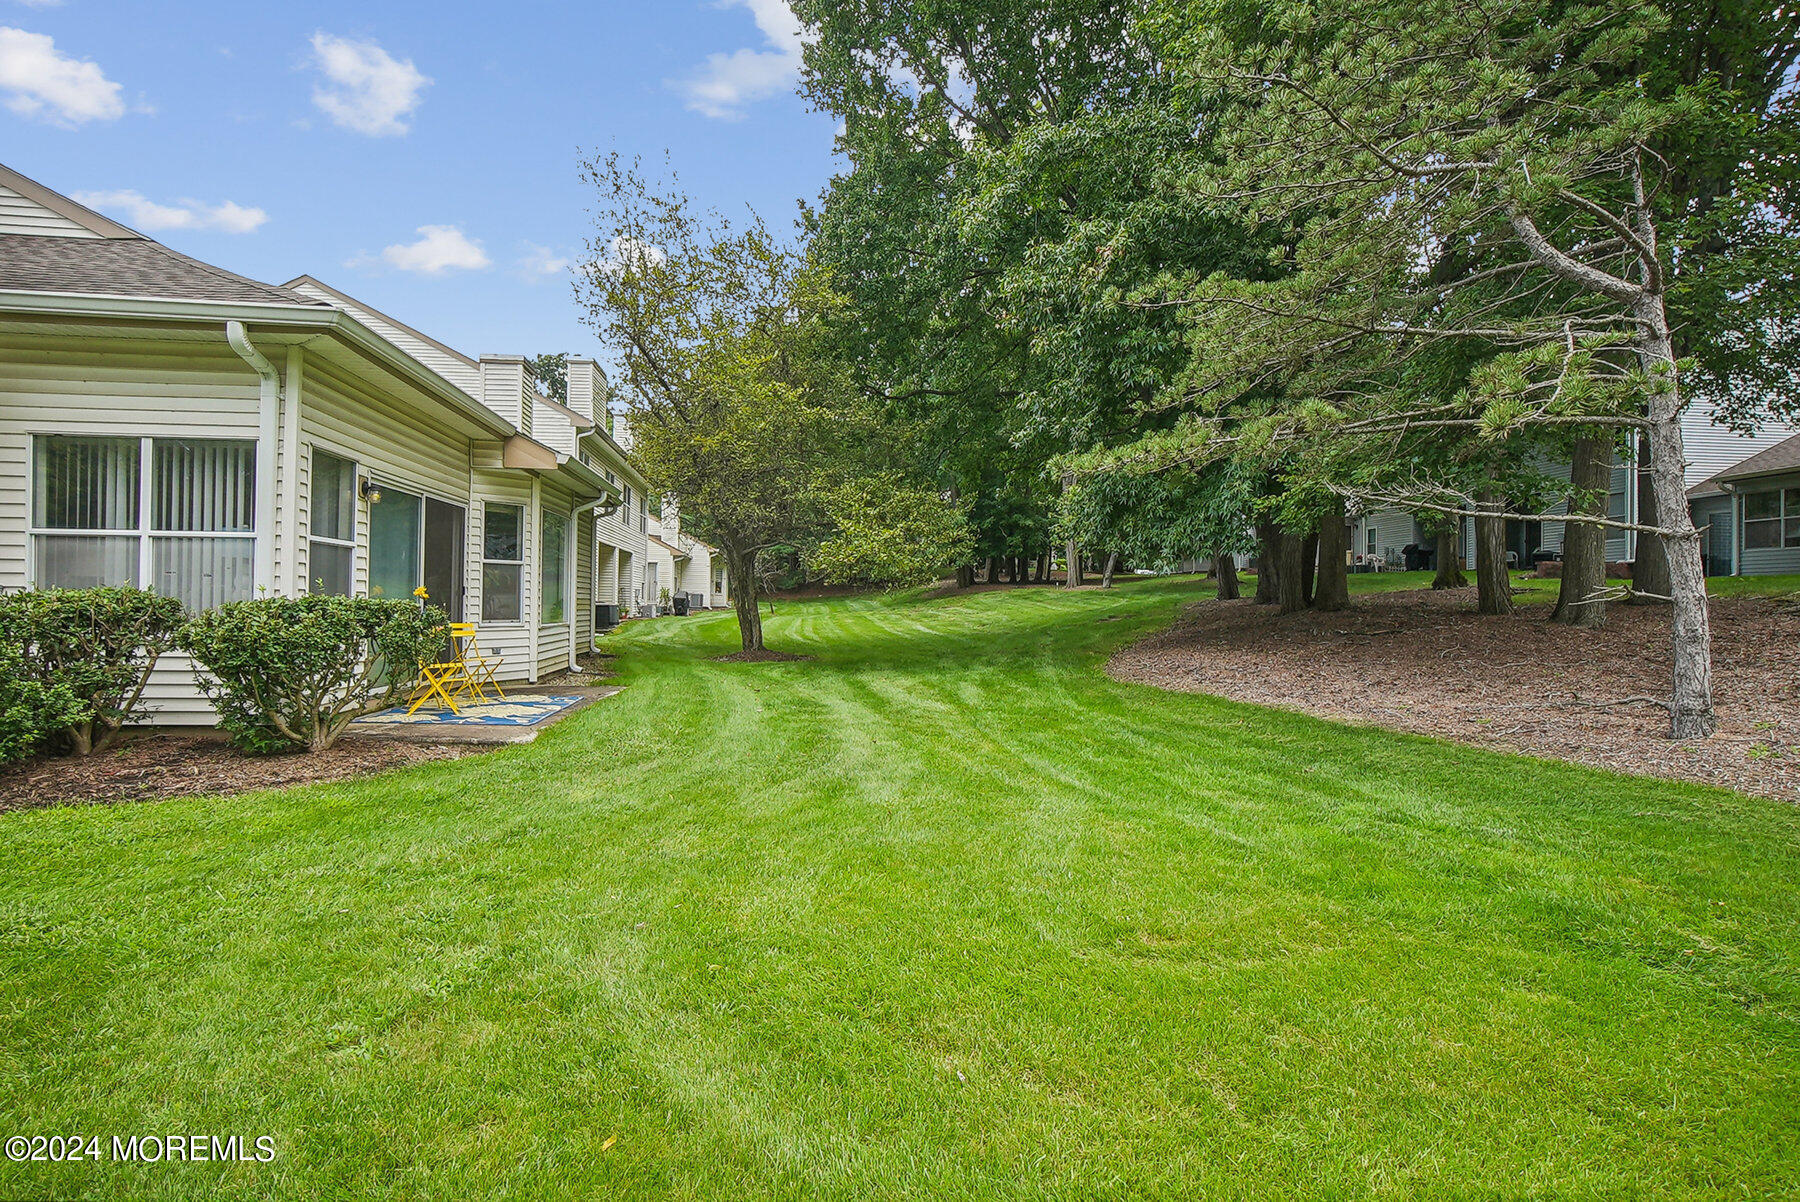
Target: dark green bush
column 288, row 672
column 30, row 712
column 97, row 644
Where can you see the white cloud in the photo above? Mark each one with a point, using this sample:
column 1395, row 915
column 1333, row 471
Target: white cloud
column 541, row 261
column 38, row 80
column 629, row 252
column 727, row 82
column 440, row 248
column 366, row 89
column 145, row 214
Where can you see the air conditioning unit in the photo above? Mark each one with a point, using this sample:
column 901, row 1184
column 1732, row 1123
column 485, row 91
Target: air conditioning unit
column 606, row 617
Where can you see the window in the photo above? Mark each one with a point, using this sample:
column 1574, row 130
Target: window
column 502, row 563
column 555, row 566
column 1772, row 519
column 186, row 528
column 331, row 540
column 643, row 516
column 395, row 544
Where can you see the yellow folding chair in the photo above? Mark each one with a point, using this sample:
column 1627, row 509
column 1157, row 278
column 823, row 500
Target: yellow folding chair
column 478, row 669
column 437, row 680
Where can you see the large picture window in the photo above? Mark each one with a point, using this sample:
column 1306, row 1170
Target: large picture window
column 175, row 515
column 502, row 563
column 1772, row 519
column 331, row 537
column 554, row 570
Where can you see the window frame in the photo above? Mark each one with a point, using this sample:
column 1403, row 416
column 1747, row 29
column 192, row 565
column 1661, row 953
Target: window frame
column 146, row 531
column 1785, row 513
column 487, row 506
column 312, row 534
column 549, row 554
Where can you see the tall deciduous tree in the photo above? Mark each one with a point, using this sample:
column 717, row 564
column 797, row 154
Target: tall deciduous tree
column 736, row 408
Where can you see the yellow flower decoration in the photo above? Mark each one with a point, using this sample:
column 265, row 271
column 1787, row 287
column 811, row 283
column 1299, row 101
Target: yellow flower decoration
column 421, row 594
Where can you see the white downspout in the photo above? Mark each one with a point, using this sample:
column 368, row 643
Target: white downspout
column 268, row 413
column 288, row 577
column 534, row 572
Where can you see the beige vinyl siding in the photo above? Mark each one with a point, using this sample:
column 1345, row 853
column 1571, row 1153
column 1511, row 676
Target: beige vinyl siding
column 59, row 385
column 22, row 215
column 554, row 638
column 389, row 442
column 509, row 640
column 582, row 594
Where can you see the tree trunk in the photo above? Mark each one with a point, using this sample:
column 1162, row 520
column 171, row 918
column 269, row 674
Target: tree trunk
column 1449, row 560
column 1584, row 545
column 1268, row 563
column 1290, row 578
column 1651, row 582
column 1225, row 568
column 1493, row 584
column 1691, row 713
column 1042, row 573
column 993, row 569
column 1074, row 577
column 746, row 599
column 1309, row 562
column 965, row 576
column 1106, row 573
column 1332, row 592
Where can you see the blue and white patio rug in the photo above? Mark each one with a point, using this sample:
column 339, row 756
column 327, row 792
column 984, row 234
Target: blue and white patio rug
column 518, row 711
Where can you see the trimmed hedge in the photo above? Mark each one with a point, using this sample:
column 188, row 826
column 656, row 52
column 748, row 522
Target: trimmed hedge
column 95, row 645
column 287, row 672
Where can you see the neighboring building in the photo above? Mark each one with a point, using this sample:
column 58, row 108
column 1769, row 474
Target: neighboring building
column 1715, row 453
column 1751, row 513
column 167, row 423
column 684, row 565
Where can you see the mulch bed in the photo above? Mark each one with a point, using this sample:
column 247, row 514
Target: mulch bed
column 153, row 765
column 762, row 656
column 1427, row 663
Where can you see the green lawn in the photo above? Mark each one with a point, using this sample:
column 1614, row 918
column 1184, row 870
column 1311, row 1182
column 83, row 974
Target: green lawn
column 941, row 911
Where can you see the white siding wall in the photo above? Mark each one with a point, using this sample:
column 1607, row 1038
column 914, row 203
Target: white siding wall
column 54, row 385
column 510, row 640
column 21, row 215
column 390, row 443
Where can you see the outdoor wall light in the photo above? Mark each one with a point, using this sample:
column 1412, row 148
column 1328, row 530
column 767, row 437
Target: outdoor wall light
column 371, row 491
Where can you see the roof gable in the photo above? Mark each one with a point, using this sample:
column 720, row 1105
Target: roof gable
column 30, row 209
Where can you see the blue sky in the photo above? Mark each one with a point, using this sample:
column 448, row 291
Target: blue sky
column 422, row 156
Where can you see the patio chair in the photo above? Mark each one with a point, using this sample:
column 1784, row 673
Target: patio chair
column 440, row 680
column 478, row 670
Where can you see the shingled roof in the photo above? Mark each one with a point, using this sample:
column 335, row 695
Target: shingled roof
column 135, row 267
column 1782, row 457
column 55, row 244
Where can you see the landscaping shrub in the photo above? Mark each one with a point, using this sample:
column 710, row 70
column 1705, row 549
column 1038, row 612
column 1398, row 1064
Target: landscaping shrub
column 30, row 711
column 289, row 672
column 97, row 645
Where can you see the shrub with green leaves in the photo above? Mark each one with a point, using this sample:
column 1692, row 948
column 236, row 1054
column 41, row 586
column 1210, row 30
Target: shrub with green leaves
column 287, row 672
column 98, row 645
column 30, row 711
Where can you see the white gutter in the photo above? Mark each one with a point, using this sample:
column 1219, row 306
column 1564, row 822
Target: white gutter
column 268, row 411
